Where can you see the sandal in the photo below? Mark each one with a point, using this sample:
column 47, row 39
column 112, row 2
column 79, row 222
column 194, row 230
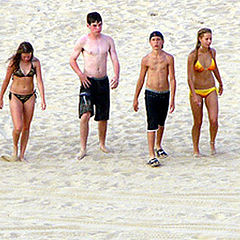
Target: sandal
column 161, row 153
column 154, row 162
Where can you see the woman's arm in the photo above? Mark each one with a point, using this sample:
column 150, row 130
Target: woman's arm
column 40, row 83
column 190, row 74
column 5, row 83
column 217, row 74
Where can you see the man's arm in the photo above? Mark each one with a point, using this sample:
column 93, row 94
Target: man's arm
column 73, row 62
column 140, row 83
column 116, row 66
column 172, row 83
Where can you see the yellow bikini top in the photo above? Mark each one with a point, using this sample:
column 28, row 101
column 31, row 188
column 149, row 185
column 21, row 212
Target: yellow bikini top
column 198, row 66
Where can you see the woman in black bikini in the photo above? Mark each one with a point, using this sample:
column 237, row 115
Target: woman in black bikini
column 22, row 68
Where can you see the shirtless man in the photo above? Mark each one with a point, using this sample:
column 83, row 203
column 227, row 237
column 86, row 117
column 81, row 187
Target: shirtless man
column 94, row 90
column 158, row 65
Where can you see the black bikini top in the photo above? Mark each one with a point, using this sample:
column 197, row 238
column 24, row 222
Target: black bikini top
column 19, row 72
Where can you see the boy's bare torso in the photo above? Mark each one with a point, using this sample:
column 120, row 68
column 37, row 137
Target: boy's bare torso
column 157, row 71
column 95, row 52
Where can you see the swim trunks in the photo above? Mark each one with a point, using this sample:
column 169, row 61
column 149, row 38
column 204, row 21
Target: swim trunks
column 156, row 107
column 98, row 95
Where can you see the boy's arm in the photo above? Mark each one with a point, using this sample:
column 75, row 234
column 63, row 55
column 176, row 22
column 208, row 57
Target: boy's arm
column 140, row 83
column 172, row 83
column 73, row 62
column 116, row 65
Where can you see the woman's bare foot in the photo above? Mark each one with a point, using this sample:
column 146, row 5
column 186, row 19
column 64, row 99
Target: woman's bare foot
column 212, row 146
column 196, row 155
column 81, row 154
column 104, row 149
column 23, row 159
column 15, row 153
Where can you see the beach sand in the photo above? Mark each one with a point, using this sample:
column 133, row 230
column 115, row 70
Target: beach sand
column 116, row 195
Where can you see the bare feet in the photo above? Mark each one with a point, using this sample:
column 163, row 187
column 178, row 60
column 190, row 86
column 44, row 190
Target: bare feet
column 15, row 153
column 9, row 158
column 212, row 146
column 104, row 149
column 196, row 155
column 23, row 159
column 81, row 154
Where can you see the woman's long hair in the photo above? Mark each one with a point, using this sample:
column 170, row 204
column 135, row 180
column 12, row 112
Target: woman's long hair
column 198, row 45
column 24, row 47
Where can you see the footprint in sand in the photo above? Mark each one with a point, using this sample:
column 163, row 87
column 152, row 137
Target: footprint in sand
column 8, row 158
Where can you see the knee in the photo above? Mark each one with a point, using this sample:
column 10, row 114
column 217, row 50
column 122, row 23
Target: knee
column 18, row 129
column 25, row 128
column 214, row 122
column 198, row 124
column 85, row 117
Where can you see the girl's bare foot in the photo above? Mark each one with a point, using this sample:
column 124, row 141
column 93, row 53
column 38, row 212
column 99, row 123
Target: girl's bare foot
column 196, row 155
column 104, row 149
column 212, row 146
column 15, row 153
column 81, row 154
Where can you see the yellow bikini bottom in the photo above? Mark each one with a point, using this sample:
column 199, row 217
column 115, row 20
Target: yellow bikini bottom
column 205, row 92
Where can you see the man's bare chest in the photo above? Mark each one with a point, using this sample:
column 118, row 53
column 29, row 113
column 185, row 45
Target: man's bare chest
column 96, row 49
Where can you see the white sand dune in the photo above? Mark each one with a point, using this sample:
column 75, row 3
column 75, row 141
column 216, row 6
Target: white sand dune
column 117, row 196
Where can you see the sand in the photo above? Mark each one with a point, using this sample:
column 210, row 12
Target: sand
column 116, row 195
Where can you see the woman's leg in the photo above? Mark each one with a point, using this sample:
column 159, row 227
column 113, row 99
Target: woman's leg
column 16, row 108
column 212, row 107
column 28, row 110
column 197, row 112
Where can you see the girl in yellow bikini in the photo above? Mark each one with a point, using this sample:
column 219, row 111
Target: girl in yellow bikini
column 202, row 67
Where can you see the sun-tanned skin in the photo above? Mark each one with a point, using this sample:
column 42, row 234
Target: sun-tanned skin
column 95, row 48
column 159, row 66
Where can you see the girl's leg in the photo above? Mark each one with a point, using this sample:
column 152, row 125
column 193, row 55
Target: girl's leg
column 212, row 107
column 197, row 112
column 28, row 110
column 16, row 108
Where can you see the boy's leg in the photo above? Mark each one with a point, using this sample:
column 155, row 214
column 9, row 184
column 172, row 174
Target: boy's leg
column 151, row 142
column 84, row 129
column 159, row 137
column 102, row 132
column 163, row 104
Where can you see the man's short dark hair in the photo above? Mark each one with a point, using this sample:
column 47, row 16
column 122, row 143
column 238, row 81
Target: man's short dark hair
column 93, row 17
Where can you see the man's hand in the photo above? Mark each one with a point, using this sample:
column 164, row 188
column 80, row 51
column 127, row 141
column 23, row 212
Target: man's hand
column 85, row 81
column 114, row 82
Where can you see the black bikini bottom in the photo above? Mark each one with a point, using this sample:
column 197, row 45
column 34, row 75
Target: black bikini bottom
column 22, row 98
